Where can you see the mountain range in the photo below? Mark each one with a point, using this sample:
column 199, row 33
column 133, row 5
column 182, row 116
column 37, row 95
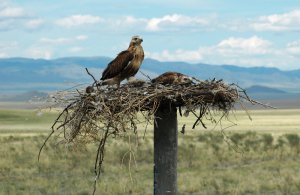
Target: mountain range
column 20, row 75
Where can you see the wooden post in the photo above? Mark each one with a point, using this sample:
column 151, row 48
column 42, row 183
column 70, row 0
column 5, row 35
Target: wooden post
column 165, row 151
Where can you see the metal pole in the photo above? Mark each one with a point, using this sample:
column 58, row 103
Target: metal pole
column 165, row 151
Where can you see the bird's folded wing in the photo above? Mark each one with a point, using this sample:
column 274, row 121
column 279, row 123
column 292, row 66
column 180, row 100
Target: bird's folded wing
column 116, row 66
column 166, row 78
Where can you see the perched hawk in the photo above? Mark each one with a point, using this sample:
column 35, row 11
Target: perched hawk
column 172, row 78
column 125, row 65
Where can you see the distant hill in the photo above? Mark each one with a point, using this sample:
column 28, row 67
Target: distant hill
column 23, row 97
column 267, row 93
column 245, row 77
column 263, row 89
column 22, row 74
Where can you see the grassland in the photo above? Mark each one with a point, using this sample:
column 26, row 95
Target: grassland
column 262, row 158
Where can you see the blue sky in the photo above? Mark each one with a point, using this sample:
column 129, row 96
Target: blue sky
column 244, row 33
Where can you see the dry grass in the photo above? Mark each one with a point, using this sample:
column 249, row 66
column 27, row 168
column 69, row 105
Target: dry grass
column 206, row 164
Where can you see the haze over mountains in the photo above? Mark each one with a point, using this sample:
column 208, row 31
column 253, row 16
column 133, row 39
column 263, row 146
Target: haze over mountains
column 20, row 75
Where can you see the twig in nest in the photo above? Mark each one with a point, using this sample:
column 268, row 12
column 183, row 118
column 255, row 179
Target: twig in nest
column 180, row 111
column 100, row 158
column 199, row 118
column 229, row 142
column 146, row 75
column 253, row 102
column 91, row 75
column 183, row 129
column 52, row 129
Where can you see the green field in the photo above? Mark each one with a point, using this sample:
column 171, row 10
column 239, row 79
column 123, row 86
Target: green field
column 262, row 156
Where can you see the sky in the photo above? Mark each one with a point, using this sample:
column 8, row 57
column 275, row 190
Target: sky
column 245, row 33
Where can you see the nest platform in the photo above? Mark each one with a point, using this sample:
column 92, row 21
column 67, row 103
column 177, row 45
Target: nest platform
column 94, row 114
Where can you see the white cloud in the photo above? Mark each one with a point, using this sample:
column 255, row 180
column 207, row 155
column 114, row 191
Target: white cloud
column 172, row 22
column 8, row 24
column 289, row 21
column 12, row 12
column 125, row 24
column 62, row 40
column 244, row 43
column 78, row 20
column 252, row 51
column 7, row 48
column 3, row 55
column 37, row 53
column 8, row 45
column 231, row 47
column 178, row 55
column 11, row 17
column 252, row 45
column 278, row 22
column 34, row 23
column 54, row 41
column 294, row 47
column 75, row 49
column 128, row 21
column 81, row 37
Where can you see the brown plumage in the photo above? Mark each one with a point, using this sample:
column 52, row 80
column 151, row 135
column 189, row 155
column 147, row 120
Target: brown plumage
column 125, row 65
column 172, row 78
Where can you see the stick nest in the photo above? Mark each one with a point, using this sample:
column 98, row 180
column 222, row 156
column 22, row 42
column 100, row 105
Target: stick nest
column 93, row 117
column 86, row 114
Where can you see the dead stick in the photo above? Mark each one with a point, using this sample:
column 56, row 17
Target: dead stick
column 145, row 75
column 95, row 81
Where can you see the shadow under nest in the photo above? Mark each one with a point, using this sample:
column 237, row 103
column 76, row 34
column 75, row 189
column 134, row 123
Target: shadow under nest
column 108, row 112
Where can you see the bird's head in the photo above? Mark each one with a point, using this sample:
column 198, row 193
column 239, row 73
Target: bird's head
column 136, row 40
column 185, row 79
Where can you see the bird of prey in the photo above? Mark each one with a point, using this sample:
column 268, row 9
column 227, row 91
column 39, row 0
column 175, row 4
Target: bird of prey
column 172, row 78
column 125, row 65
